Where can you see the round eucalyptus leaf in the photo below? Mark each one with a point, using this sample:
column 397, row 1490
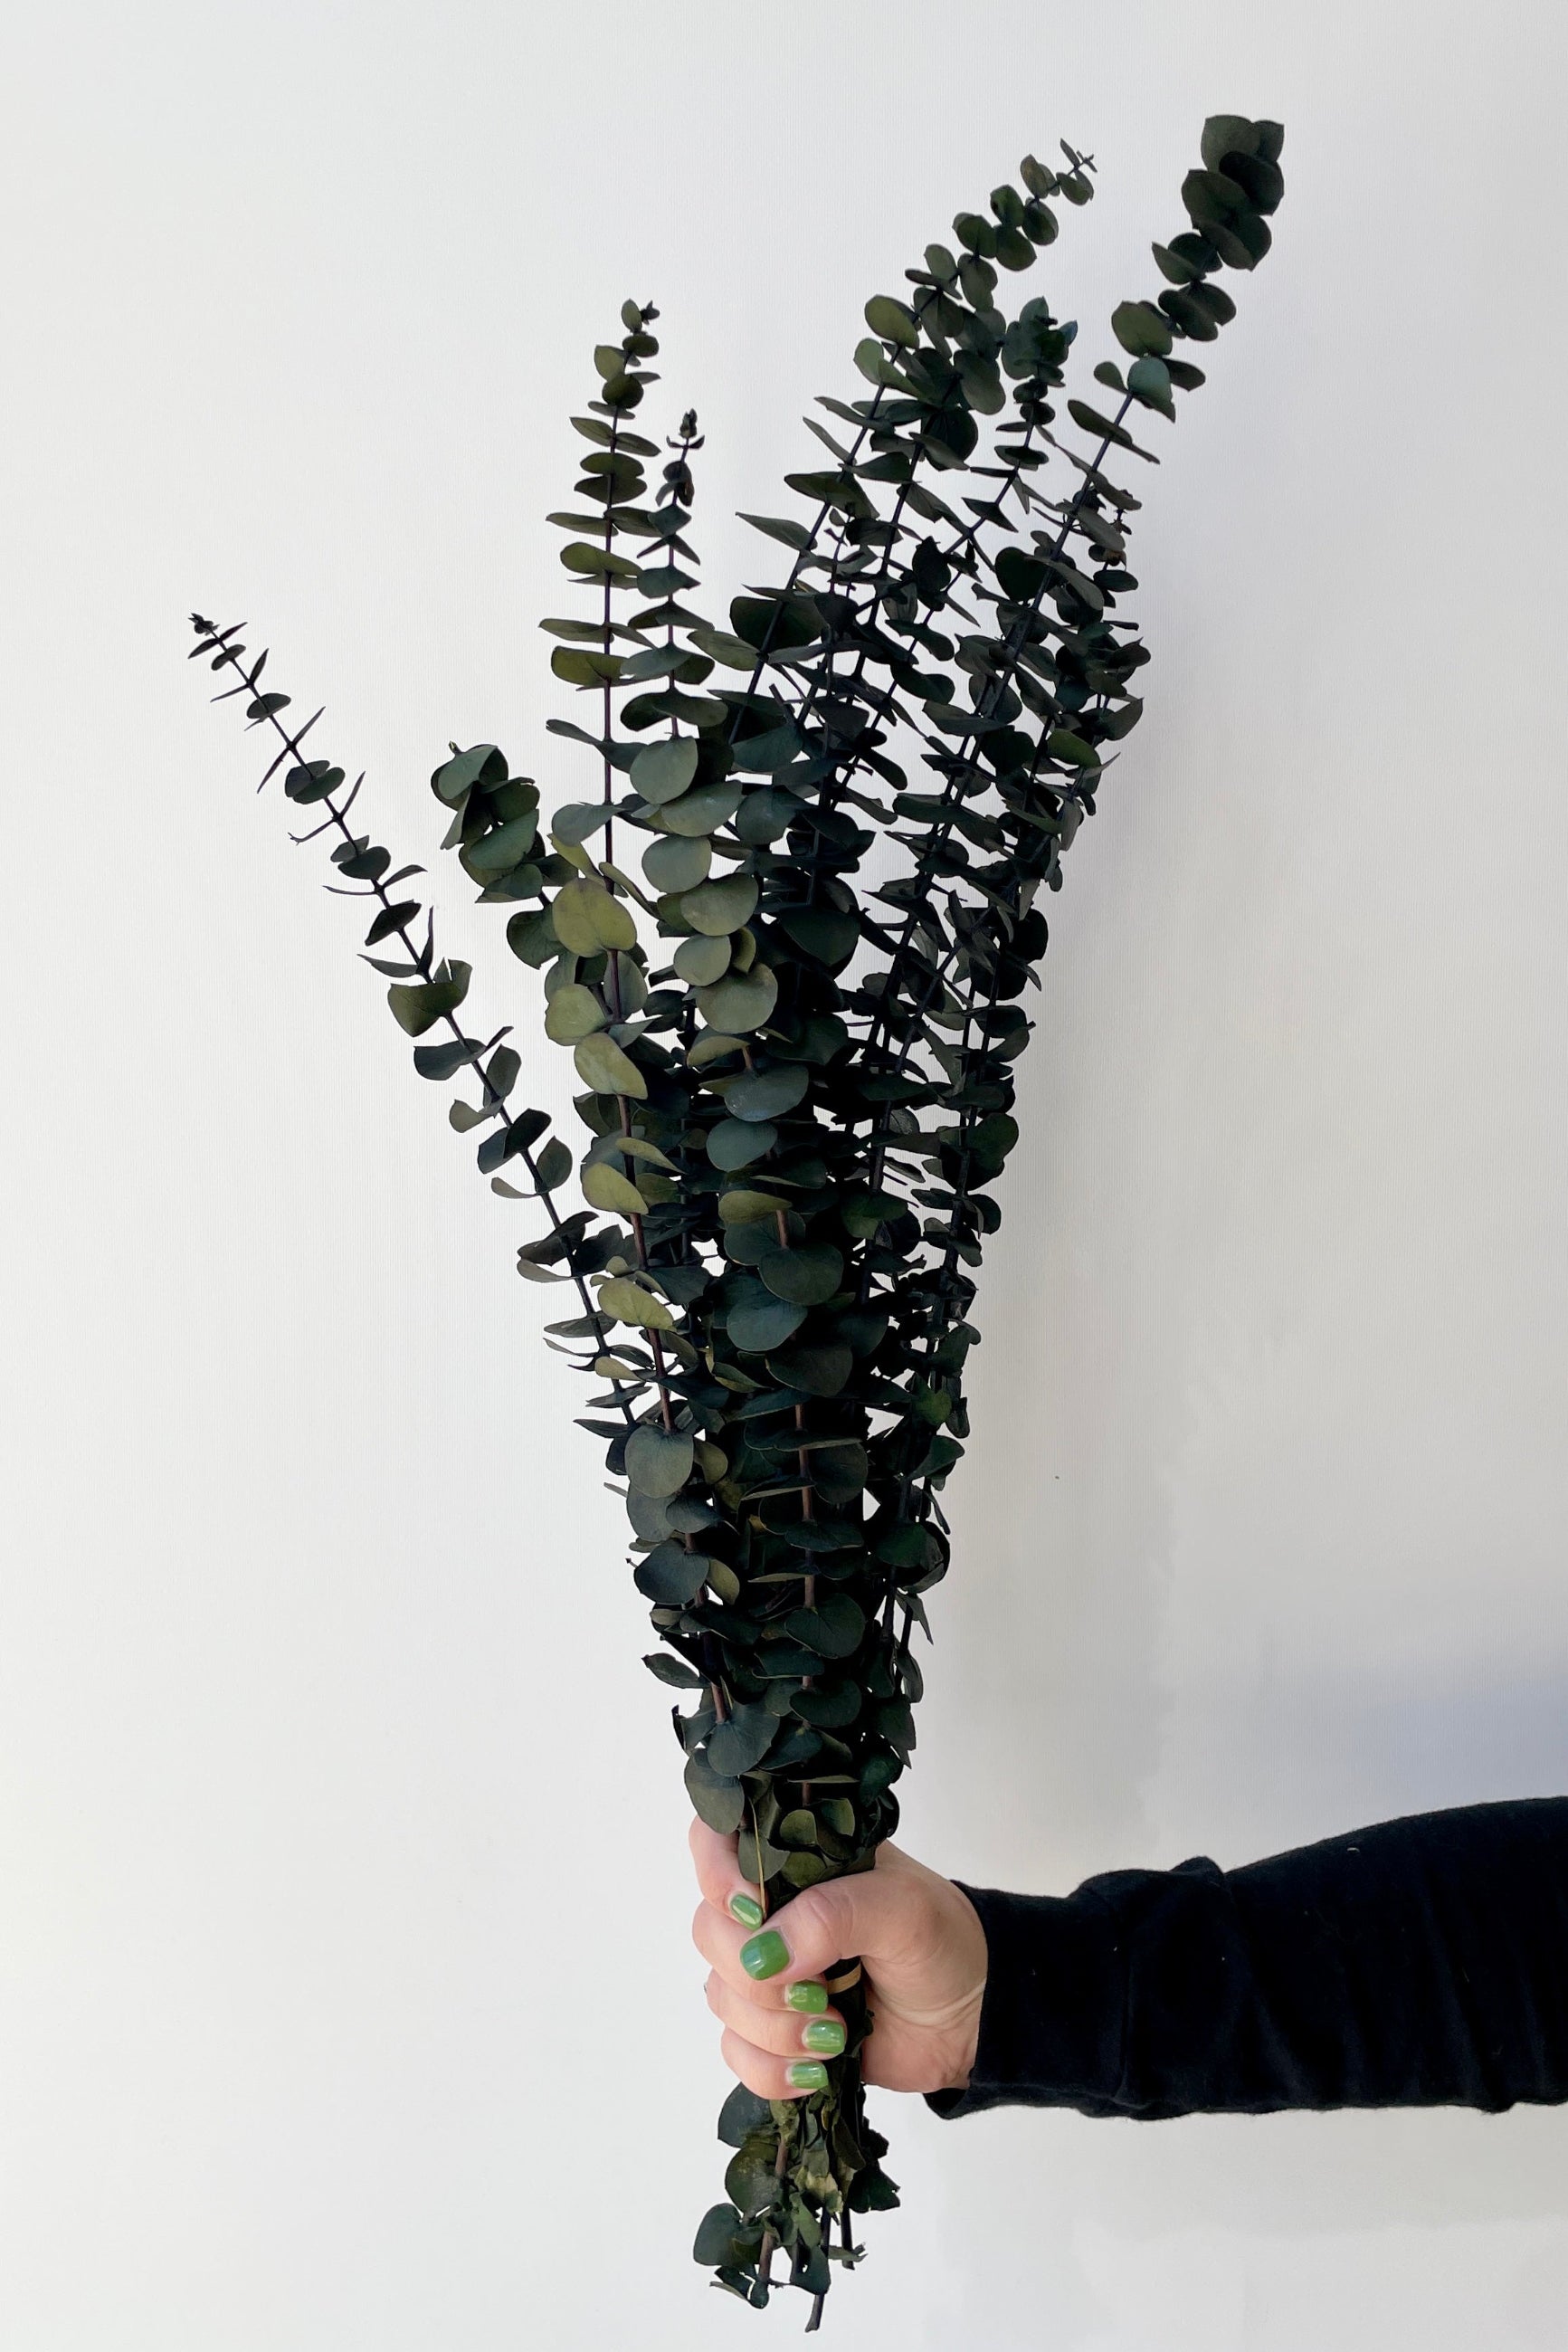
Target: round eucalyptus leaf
column 714, row 1047
column 742, row 1207
column 798, row 1829
column 531, row 937
column 1149, row 380
column 766, row 1094
column 650, row 1518
column 601, row 1064
column 767, row 813
column 498, row 851
column 810, row 1869
column 700, row 961
column 572, row 1014
column 658, row 1461
column 742, row 1740
column 717, row 909
column 830, row 1705
column 890, row 320
column 662, row 772
column 670, row 1575
column 720, row 1804
column 456, row 778
column 804, row 1276
column 755, row 1330
column 587, row 919
column 821, row 1372
column 578, row 820
column 1063, row 744
column 604, row 1187
column 723, row 1582
column 824, row 933
column 702, row 811
column 741, row 1001
column 680, row 1676
column 1142, row 329
column 715, row 2244
column 835, row 1628
column 628, row 1302
column 673, row 863
column 735, row 1142
column 637, row 1147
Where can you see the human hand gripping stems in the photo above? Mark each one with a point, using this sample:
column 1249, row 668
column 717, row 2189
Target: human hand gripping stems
column 799, row 1097
column 920, row 1944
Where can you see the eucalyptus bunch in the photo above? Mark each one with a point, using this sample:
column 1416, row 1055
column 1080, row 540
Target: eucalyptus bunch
column 786, row 936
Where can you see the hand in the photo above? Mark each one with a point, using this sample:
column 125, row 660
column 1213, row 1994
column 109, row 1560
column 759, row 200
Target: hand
column 917, row 1936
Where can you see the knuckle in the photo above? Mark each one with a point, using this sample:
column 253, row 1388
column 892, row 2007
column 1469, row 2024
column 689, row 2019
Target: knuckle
column 809, row 1927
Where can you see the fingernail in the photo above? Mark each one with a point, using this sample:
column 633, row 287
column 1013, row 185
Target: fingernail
column 746, row 1909
column 806, row 1995
column 807, row 2075
column 765, row 1955
column 823, row 2033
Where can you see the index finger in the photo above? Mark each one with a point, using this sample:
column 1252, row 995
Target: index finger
column 718, row 1876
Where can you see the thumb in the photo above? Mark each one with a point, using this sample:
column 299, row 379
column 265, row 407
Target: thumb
column 866, row 1915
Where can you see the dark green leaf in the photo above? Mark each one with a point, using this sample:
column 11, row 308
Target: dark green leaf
column 741, row 1001
column 821, row 1372
column 834, row 1628
column 702, row 810
column 742, row 2114
column 532, row 937
column 803, row 1276
column 577, row 821
column 735, row 1143
column 1142, row 329
column 720, row 1804
column 715, row 2242
column 793, row 534
column 316, row 781
column 658, row 1461
column 768, row 1323
column 417, row 1007
column 445, row 1061
column 453, row 782
column 674, row 1671
column 717, row 908
column 824, row 933
column 670, row 1575
column 553, row 1165
column 391, row 919
column 766, row 1094
column 737, row 1744
column 892, row 322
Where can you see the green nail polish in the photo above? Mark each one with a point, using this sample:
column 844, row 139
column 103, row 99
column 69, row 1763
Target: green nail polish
column 765, row 1955
column 823, row 2033
column 807, row 2075
column 746, row 1909
column 806, row 1995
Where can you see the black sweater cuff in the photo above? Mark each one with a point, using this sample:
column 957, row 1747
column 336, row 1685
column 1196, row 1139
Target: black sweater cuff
column 1420, row 1962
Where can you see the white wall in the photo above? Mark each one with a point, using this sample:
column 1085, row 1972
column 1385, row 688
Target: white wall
column 344, row 1898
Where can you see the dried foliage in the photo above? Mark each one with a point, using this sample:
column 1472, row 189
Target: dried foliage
column 788, row 943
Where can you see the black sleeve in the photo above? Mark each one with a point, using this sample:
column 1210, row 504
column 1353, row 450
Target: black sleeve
column 1423, row 1962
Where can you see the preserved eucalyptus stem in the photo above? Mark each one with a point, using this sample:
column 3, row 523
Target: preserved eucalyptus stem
column 799, row 1086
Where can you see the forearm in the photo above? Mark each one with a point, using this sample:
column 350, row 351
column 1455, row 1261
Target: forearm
column 1420, row 1962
